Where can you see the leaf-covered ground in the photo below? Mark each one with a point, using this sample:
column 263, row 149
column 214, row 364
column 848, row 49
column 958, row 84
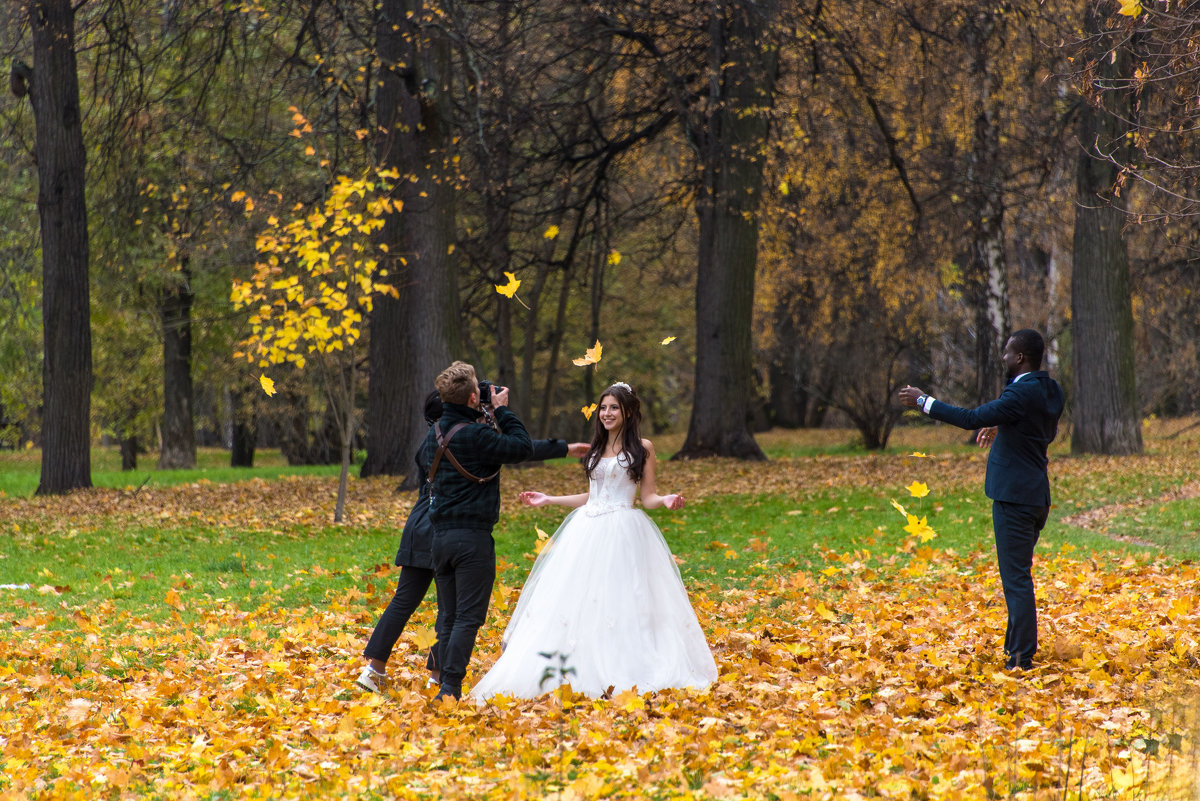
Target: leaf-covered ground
column 863, row 680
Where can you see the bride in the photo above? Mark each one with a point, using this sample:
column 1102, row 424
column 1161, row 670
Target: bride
column 604, row 608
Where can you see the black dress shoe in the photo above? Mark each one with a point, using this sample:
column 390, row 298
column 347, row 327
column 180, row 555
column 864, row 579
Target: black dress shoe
column 447, row 692
column 1013, row 664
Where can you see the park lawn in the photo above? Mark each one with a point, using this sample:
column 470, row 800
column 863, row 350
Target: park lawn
column 198, row 638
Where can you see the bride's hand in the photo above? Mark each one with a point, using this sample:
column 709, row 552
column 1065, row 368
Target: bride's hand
column 533, row 498
column 673, row 501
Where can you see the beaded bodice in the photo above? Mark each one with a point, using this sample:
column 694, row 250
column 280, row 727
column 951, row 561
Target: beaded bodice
column 610, row 489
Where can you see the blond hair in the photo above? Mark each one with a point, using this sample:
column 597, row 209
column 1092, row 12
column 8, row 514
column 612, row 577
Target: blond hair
column 456, row 383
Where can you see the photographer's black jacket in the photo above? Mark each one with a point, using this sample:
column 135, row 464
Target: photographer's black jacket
column 458, row 502
column 416, row 543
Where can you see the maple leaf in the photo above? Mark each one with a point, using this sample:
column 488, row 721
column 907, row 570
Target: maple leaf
column 920, row 528
column 267, row 384
column 551, row 232
column 591, row 356
column 510, row 289
column 588, row 411
column 424, row 637
column 629, row 701
column 917, row 489
column 899, row 508
column 668, row 340
column 1130, row 8
column 825, row 612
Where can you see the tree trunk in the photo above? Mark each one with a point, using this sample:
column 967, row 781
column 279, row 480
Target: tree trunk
column 1105, row 413
column 129, row 451
column 413, row 336
column 731, row 136
column 245, row 434
column 987, row 267
column 178, row 430
column 62, row 211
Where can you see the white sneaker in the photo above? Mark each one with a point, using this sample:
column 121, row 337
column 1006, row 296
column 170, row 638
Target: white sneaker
column 371, row 680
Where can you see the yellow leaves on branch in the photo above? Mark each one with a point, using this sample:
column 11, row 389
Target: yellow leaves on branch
column 317, row 277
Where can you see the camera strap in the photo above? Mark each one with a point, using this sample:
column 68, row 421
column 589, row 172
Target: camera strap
column 443, row 448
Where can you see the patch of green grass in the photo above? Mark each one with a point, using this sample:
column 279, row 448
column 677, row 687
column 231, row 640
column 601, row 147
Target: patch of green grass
column 20, row 470
column 1174, row 526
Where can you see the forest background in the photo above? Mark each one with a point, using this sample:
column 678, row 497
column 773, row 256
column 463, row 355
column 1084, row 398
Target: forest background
column 787, row 209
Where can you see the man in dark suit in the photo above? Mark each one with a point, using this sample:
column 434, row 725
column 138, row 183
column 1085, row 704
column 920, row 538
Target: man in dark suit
column 1019, row 425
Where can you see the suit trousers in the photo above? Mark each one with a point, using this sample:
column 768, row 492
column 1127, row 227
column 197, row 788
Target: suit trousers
column 464, row 567
column 1017, row 528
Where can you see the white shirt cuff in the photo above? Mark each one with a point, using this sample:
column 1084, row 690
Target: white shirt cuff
column 928, row 404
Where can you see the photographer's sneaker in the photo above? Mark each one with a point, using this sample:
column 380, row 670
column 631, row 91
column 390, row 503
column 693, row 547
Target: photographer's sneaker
column 371, row 680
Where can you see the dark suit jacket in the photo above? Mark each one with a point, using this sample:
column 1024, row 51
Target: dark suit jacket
column 1026, row 416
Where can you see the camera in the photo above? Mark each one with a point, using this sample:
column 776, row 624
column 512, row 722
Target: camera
column 485, row 391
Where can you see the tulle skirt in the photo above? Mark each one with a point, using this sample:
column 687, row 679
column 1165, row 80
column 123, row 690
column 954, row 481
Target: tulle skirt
column 605, row 595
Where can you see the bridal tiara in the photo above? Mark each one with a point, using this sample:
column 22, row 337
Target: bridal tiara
column 623, row 386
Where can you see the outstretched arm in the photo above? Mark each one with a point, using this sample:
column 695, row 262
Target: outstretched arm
column 650, row 497
column 531, row 498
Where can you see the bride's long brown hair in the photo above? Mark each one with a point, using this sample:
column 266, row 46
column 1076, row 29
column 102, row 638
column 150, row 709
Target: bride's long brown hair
column 631, row 433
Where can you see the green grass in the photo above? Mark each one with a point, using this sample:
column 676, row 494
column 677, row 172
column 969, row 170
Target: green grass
column 721, row 540
column 19, row 470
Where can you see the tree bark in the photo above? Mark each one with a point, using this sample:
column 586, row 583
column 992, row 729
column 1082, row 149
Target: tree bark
column 245, row 434
column 179, row 429
column 987, row 266
column 129, row 451
column 731, row 136
column 413, row 336
column 67, row 335
column 1105, row 413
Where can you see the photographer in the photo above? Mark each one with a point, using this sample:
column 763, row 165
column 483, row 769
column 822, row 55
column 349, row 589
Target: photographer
column 464, row 506
column 415, row 558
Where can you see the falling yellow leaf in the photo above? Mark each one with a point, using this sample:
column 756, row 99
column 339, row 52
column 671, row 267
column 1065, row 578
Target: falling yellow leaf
column 267, row 384
column 588, row 411
column 668, row 340
column 917, row 489
column 551, row 232
column 920, row 528
column 509, row 289
column 614, row 257
column 541, row 535
column 591, row 356
column 1130, row 8
column 424, row 637
column 899, row 508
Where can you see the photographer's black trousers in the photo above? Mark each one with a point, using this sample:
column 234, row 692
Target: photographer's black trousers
column 464, row 565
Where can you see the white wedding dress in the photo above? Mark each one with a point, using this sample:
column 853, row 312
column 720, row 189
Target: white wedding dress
column 606, row 594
